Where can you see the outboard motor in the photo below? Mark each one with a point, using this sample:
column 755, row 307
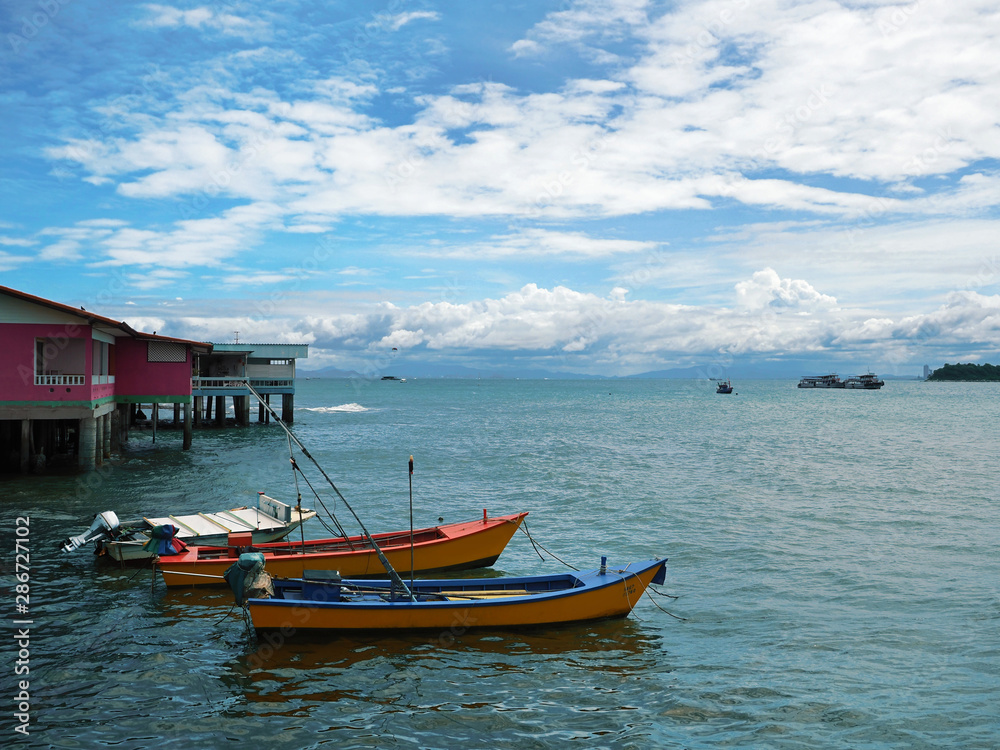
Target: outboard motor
column 248, row 579
column 104, row 523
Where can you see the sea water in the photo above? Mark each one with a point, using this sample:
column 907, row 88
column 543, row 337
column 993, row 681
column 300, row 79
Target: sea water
column 834, row 555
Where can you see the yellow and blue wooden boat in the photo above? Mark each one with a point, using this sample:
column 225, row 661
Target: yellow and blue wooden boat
column 304, row 605
column 454, row 546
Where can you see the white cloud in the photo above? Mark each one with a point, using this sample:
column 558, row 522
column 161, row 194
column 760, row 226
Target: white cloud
column 202, row 18
column 525, row 47
column 16, row 242
column 399, row 20
column 535, row 244
column 767, row 290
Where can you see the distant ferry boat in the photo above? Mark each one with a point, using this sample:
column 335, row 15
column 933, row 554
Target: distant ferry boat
column 868, row 382
column 821, row 381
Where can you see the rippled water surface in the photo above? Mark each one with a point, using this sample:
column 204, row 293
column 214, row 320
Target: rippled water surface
column 835, row 554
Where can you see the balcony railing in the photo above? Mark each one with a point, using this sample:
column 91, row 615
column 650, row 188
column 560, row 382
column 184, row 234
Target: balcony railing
column 53, row 379
column 272, row 382
column 206, row 384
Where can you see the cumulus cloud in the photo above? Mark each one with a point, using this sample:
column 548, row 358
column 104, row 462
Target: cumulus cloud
column 711, row 97
column 766, row 290
column 860, row 138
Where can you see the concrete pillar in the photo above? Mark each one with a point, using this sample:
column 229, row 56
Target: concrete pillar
column 220, row 410
column 25, row 445
column 98, row 440
column 187, row 427
column 177, row 416
column 243, row 407
column 260, row 411
column 287, row 407
column 124, row 412
column 198, row 406
column 88, row 443
column 106, row 447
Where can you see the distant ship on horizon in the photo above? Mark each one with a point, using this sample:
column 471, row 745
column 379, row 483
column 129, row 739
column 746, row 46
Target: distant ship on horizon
column 868, row 382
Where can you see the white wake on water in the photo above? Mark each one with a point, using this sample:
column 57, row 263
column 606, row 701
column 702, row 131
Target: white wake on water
column 342, row 407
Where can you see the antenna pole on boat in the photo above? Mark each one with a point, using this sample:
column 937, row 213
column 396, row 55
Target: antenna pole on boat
column 393, row 575
column 411, row 522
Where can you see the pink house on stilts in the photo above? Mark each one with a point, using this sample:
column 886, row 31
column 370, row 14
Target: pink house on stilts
column 70, row 380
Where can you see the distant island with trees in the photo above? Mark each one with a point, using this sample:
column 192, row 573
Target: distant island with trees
column 966, row 372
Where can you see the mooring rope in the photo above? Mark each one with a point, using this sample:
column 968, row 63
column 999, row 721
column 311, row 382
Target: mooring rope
column 536, row 545
column 648, row 588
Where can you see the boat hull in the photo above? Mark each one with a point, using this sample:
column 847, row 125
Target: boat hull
column 470, row 603
column 270, row 521
column 459, row 546
column 132, row 550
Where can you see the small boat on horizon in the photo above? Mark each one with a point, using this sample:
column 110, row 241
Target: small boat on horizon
column 455, row 546
column 328, row 603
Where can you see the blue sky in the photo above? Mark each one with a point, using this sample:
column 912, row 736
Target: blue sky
column 601, row 187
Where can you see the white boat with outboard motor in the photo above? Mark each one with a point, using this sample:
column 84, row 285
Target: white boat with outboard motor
column 270, row 521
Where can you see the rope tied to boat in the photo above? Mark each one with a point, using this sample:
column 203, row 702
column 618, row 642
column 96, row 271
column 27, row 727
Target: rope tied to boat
column 648, row 588
column 536, row 545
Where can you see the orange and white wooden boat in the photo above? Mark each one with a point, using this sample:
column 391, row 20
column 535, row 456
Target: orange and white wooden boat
column 446, row 605
column 455, row 546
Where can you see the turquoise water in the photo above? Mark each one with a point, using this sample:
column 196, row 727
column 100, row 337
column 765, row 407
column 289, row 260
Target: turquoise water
column 835, row 555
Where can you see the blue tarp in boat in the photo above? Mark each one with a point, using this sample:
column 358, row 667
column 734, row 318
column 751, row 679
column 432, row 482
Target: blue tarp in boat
column 163, row 542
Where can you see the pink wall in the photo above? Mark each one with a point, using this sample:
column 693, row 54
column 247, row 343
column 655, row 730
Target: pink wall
column 17, row 376
column 136, row 377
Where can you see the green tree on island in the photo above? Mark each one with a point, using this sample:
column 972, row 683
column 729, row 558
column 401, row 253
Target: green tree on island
column 966, row 372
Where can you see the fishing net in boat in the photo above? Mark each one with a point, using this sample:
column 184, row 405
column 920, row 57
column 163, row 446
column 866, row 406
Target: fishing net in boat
column 248, row 579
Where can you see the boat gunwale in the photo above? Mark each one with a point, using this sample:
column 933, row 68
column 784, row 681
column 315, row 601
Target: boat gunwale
column 288, row 549
column 623, row 575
